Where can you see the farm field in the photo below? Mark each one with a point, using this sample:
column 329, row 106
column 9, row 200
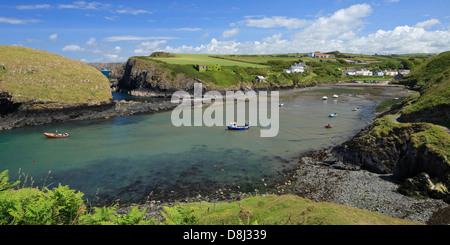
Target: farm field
column 204, row 59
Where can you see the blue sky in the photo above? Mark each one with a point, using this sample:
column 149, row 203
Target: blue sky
column 112, row 31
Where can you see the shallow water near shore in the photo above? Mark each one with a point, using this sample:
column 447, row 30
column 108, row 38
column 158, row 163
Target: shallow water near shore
column 144, row 157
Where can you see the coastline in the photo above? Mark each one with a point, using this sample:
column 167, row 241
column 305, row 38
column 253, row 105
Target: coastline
column 311, row 179
column 320, row 182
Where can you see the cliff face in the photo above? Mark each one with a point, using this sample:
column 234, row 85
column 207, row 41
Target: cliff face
column 390, row 147
column 417, row 154
column 146, row 78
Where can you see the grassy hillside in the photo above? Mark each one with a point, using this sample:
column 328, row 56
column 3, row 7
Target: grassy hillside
column 36, row 75
column 237, row 69
column 287, row 210
column 428, row 69
column 433, row 104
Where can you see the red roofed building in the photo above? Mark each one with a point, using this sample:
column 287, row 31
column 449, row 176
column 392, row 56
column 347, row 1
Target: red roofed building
column 320, row 55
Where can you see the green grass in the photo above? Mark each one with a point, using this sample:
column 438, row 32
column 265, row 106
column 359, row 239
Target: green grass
column 287, row 210
column 436, row 93
column 203, row 59
column 387, row 104
column 36, row 75
column 425, row 134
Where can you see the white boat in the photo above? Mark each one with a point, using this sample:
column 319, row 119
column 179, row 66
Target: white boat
column 335, row 96
column 281, row 104
column 324, row 97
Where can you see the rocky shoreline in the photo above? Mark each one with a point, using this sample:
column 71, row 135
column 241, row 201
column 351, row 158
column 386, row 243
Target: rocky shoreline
column 47, row 114
column 321, row 182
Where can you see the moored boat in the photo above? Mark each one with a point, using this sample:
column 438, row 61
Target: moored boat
column 233, row 126
column 56, row 135
column 333, row 115
column 324, row 97
column 328, row 126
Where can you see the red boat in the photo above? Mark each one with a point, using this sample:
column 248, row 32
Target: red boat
column 328, row 126
column 56, row 135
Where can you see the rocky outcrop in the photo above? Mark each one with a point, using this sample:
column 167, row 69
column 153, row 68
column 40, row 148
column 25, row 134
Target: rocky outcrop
column 39, row 114
column 146, row 78
column 393, row 151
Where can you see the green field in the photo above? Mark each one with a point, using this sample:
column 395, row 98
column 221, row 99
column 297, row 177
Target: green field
column 204, row 59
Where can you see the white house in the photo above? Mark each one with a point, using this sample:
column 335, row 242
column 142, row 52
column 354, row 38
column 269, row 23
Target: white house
column 363, row 72
column 296, row 68
column 320, row 55
column 391, row 73
column 358, row 71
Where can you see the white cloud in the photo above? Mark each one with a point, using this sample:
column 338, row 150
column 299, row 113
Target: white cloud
column 134, row 38
column 403, row 39
column 338, row 31
column 91, row 42
column 36, row 6
column 53, row 37
column 428, row 23
column 230, row 33
column 146, row 48
column 213, row 47
column 117, row 49
column 276, row 21
column 189, row 29
column 15, row 21
column 84, row 5
column 72, row 48
column 133, row 11
column 344, row 23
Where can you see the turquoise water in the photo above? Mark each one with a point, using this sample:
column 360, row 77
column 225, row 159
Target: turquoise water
column 128, row 158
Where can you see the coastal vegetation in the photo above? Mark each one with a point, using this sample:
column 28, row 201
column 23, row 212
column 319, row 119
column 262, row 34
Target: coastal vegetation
column 64, row 206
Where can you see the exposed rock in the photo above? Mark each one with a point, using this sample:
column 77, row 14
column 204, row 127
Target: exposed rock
column 38, row 114
column 145, row 78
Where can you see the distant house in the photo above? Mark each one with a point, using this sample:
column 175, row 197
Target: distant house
column 296, row 68
column 320, row 55
column 363, row 72
column 358, row 72
column 404, row 72
column 378, row 73
column 260, row 78
column 391, row 73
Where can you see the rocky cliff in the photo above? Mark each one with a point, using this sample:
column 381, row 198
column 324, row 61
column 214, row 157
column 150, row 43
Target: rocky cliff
column 147, row 78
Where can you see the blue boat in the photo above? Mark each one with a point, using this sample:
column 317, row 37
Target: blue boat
column 238, row 127
column 233, row 126
column 333, row 115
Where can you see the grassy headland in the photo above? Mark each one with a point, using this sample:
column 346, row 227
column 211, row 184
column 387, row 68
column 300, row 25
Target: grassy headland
column 40, row 76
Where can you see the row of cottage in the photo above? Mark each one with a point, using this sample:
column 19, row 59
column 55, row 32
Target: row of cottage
column 365, row 72
column 300, row 68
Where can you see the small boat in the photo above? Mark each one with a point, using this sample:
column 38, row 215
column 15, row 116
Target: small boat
column 328, row 126
column 56, row 135
column 324, row 97
column 356, row 109
column 335, row 96
column 333, row 115
column 281, row 104
column 233, row 126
